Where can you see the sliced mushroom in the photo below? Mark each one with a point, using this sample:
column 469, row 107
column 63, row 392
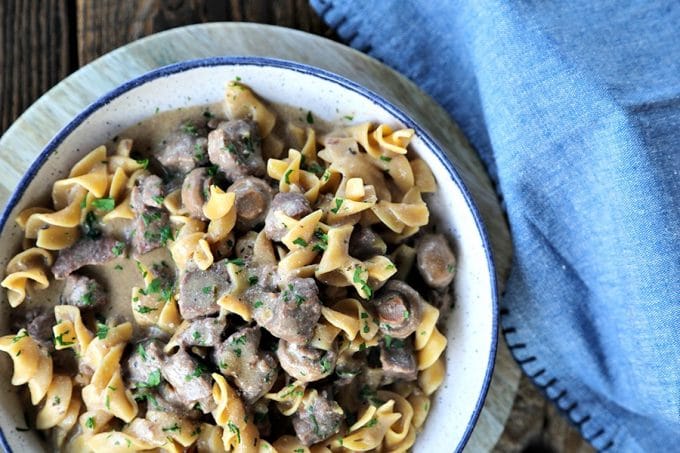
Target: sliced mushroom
column 365, row 243
column 195, row 191
column 398, row 360
column 253, row 197
column 398, row 307
column 436, row 261
column 306, row 363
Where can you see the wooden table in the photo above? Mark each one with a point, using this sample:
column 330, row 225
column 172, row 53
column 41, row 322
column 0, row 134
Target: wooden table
column 42, row 42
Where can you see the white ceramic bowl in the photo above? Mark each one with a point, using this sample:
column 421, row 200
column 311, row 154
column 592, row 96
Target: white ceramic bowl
column 471, row 327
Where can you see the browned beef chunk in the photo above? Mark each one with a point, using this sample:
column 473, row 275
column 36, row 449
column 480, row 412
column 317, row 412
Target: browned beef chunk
column 195, row 191
column 142, row 368
column 398, row 360
column 365, row 243
column 436, row 261
column 317, row 418
column 290, row 314
column 253, row 197
column 40, row 328
column 254, row 371
column 83, row 292
column 147, row 192
column 203, row 332
column 183, row 150
column 398, row 307
column 293, row 205
column 235, row 147
column 83, row 253
column 189, row 379
column 152, row 230
column 199, row 290
column 165, row 398
column 306, row 363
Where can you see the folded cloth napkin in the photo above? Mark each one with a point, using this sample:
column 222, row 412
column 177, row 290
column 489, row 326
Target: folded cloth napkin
column 574, row 108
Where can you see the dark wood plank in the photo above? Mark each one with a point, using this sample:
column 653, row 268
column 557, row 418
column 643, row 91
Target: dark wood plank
column 104, row 25
column 35, row 52
column 536, row 426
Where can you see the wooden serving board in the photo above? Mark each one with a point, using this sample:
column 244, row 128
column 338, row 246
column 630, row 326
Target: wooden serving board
column 30, row 133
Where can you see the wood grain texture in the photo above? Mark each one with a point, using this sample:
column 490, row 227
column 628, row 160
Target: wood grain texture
column 35, row 40
column 104, row 25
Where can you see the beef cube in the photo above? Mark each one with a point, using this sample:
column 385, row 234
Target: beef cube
column 189, row 379
column 398, row 361
column 205, row 332
column 235, row 147
column 254, row 371
column 183, row 150
column 317, row 418
column 143, row 366
column 83, row 253
column 290, row 314
column 152, row 230
column 199, row 290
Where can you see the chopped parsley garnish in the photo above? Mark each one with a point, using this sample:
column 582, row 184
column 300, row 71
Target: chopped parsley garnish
column 158, row 199
column 299, row 300
column 174, row 427
column 389, row 267
column 252, row 280
column 348, row 117
column 257, row 304
column 56, row 400
column 104, row 204
column 366, row 328
column 150, row 218
column 90, row 423
column 338, row 203
column 231, row 148
column 22, row 334
column 196, row 431
column 83, row 202
column 208, row 289
column 166, row 235
column 107, row 403
column 310, row 118
column 212, row 170
column 407, row 314
column 196, row 335
column 385, row 158
column 450, row 268
column 301, row 242
column 153, row 380
column 362, row 347
column 59, row 340
column 240, row 340
column 325, row 365
column 234, row 429
column 322, row 241
column 237, row 261
column 102, row 330
column 317, row 431
column 364, row 315
column 143, row 309
column 208, row 114
column 90, row 227
column 368, row 292
column 118, row 267
column 196, row 373
column 315, row 168
column 86, row 298
column 118, row 248
column 141, row 352
column 286, row 177
column 190, row 129
column 371, row 423
column 238, row 352
column 143, row 162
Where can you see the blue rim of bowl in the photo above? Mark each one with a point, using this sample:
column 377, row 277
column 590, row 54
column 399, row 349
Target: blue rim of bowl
column 324, row 75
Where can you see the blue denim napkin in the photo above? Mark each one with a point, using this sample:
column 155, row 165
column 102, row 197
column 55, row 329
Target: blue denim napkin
column 574, row 108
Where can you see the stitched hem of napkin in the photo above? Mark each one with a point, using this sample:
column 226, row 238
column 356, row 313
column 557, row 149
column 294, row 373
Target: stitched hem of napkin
column 530, row 364
column 551, row 388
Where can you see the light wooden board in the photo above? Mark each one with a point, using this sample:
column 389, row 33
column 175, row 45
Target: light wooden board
column 27, row 136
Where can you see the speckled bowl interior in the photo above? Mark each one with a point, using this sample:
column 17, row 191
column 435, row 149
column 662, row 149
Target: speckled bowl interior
column 470, row 326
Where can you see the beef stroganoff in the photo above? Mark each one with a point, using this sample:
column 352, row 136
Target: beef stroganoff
column 240, row 277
